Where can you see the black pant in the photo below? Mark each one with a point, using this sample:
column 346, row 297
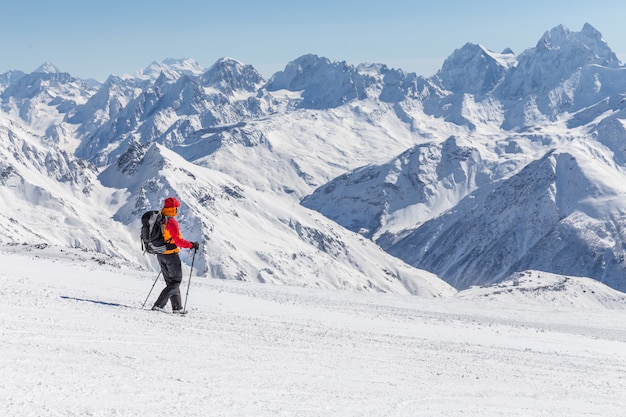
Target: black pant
column 173, row 275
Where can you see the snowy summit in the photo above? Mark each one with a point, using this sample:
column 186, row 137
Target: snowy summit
column 47, row 68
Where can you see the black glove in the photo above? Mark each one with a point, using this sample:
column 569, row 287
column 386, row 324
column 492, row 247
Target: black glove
column 195, row 245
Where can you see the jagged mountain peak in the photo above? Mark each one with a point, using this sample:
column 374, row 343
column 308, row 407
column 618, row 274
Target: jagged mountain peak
column 322, row 83
column 557, row 56
column 140, row 163
column 48, row 68
column 474, row 69
column 43, row 98
column 302, row 72
column 128, row 161
column 229, row 75
column 228, row 62
column 588, row 44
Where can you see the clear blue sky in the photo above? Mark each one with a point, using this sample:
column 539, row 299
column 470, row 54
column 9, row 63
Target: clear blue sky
column 95, row 38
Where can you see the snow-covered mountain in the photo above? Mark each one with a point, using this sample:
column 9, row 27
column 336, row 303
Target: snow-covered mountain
column 497, row 205
column 498, row 163
column 399, row 195
column 557, row 215
column 541, row 288
column 474, row 69
column 253, row 236
column 52, row 198
column 41, row 100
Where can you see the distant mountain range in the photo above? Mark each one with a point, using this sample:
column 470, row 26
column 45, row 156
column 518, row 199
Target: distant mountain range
column 332, row 175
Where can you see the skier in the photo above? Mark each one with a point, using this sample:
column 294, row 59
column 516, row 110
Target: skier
column 170, row 261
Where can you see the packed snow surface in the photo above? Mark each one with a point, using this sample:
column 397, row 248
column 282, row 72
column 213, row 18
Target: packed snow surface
column 75, row 342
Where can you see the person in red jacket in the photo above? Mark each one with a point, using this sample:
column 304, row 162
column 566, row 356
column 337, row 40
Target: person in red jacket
column 169, row 261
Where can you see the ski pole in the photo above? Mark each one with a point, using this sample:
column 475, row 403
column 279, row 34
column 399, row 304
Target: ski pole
column 189, row 283
column 155, row 281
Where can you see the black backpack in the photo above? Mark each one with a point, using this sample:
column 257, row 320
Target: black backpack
column 152, row 226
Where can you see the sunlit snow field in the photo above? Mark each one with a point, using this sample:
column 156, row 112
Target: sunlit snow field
column 75, row 342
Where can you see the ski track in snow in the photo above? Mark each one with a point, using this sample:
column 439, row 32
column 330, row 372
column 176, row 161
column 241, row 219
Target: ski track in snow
column 75, row 342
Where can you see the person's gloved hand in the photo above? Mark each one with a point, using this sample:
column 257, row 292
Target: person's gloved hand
column 195, row 245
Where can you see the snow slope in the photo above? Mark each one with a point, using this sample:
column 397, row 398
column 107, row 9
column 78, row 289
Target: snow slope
column 50, row 197
column 539, row 287
column 252, row 236
column 76, row 343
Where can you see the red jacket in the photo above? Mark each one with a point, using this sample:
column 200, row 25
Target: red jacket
column 172, row 234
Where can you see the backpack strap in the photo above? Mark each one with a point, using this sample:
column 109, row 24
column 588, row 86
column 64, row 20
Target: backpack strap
column 163, row 227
